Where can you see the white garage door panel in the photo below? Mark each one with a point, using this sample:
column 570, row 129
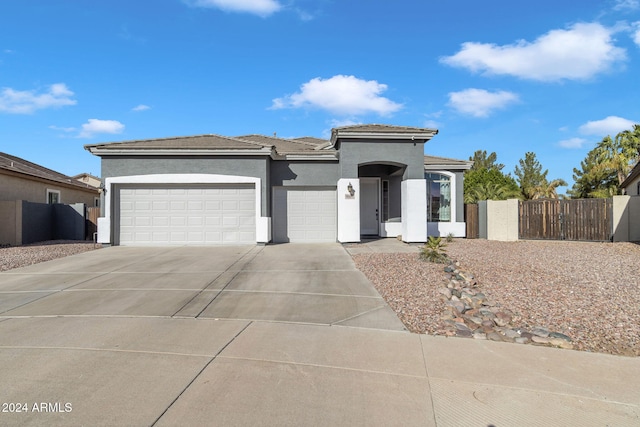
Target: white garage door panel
column 304, row 214
column 222, row 214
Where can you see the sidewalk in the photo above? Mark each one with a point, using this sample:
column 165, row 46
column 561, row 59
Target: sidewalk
column 101, row 339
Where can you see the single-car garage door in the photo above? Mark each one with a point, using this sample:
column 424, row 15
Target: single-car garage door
column 304, row 214
column 187, row 214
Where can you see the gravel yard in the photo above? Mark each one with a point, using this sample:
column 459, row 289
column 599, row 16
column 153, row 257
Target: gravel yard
column 21, row 256
column 588, row 291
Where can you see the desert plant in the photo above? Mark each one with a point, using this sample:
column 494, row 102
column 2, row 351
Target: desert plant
column 450, row 237
column 434, row 250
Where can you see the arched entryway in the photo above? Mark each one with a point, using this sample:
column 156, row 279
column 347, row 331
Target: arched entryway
column 380, row 198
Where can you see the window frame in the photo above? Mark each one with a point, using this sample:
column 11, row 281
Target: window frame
column 48, row 198
column 453, row 190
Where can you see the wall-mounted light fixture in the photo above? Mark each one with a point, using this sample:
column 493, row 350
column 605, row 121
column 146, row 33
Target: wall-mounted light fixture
column 102, row 189
column 350, row 189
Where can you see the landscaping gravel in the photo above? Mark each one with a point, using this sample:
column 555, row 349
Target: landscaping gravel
column 587, row 291
column 21, row 256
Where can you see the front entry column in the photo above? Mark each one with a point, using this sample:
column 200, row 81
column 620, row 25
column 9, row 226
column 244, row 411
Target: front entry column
column 414, row 210
column 348, row 210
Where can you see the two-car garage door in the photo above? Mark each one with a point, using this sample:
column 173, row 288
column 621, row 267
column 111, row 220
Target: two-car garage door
column 214, row 214
column 187, row 214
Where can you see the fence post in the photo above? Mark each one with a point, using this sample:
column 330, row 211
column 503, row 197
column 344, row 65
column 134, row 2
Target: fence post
column 502, row 220
column 621, row 218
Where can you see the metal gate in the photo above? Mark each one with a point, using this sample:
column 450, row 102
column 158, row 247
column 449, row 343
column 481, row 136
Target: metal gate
column 580, row 219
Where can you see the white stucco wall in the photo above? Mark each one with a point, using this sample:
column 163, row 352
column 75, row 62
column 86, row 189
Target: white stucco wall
column 348, row 210
column 502, row 220
column 414, row 210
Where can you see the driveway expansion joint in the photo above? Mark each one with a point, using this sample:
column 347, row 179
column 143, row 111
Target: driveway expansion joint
column 200, row 373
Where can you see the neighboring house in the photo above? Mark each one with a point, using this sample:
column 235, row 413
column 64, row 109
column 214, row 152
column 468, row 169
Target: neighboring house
column 367, row 180
column 631, row 185
column 38, row 204
column 23, row 180
column 87, row 178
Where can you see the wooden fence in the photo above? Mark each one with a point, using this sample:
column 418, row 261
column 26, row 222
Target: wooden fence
column 92, row 221
column 580, row 219
column 472, row 221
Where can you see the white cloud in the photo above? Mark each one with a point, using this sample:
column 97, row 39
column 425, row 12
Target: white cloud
column 610, row 125
column 636, row 33
column 346, row 122
column 479, row 102
column 28, row 101
column 338, row 123
column 577, row 53
column 344, row 95
column 572, row 143
column 141, row 107
column 262, row 8
column 95, row 126
column 627, row 5
column 432, row 124
column 63, row 129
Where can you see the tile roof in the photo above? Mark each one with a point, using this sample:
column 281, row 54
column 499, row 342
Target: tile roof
column 448, row 162
column 182, row 143
column 312, row 140
column 379, row 128
column 291, row 146
column 24, row 167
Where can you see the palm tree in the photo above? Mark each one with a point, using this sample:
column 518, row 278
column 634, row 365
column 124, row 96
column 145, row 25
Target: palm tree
column 548, row 190
column 491, row 191
column 621, row 154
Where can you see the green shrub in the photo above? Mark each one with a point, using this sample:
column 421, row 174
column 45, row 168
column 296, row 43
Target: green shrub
column 434, row 251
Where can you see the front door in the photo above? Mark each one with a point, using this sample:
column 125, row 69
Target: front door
column 369, row 206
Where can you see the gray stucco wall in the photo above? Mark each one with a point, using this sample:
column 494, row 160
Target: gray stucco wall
column 395, row 197
column 69, row 221
column 37, row 222
column 459, row 196
column 257, row 167
column 354, row 153
column 285, row 173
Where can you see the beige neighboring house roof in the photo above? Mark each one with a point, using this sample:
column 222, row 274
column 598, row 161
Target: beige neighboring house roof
column 435, row 163
column 635, row 173
column 89, row 179
column 12, row 165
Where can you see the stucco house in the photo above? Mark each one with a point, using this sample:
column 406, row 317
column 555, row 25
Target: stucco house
column 366, row 180
column 87, row 178
column 631, row 185
column 24, row 180
column 37, row 203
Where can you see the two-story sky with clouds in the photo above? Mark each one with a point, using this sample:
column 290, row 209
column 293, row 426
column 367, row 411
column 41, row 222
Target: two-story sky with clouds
column 553, row 77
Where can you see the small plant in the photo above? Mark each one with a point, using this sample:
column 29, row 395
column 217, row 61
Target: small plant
column 449, row 237
column 434, row 251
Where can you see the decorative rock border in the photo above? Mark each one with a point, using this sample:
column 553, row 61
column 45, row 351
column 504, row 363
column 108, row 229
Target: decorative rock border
column 470, row 314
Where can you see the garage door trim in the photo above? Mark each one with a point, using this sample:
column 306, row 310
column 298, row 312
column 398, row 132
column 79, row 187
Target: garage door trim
column 107, row 234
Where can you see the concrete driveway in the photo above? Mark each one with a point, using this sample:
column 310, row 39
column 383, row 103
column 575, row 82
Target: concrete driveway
column 275, row 335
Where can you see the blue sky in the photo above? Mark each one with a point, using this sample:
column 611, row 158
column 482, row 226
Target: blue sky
column 553, row 77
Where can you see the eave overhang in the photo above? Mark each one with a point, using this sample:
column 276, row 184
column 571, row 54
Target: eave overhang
column 445, row 166
column 398, row 136
column 105, row 152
